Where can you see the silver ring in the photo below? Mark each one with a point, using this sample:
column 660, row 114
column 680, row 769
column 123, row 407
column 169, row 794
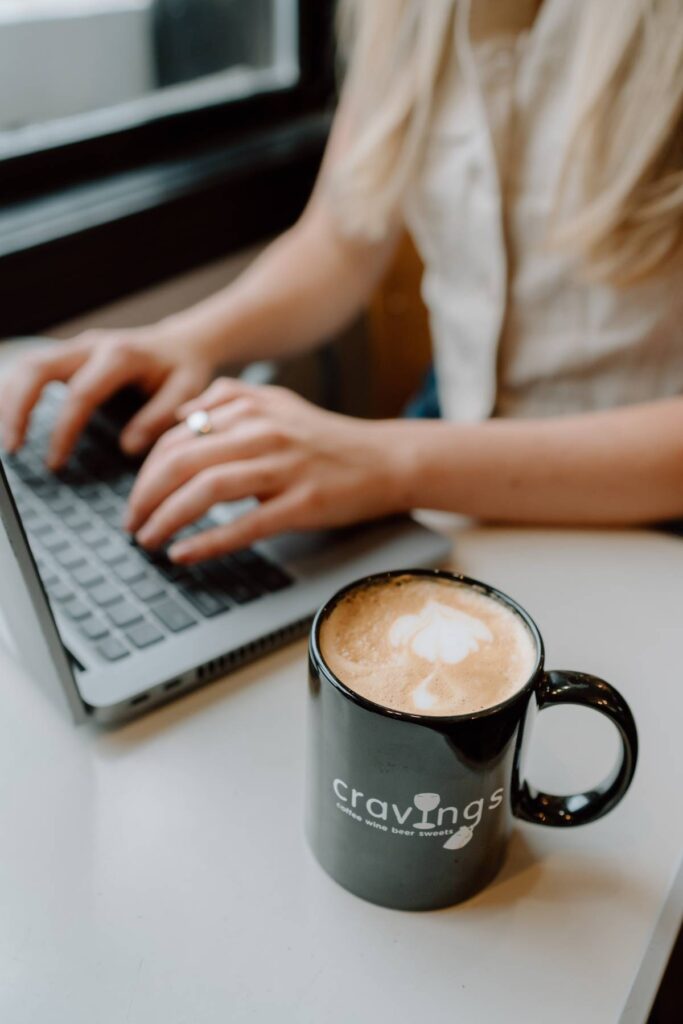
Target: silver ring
column 199, row 423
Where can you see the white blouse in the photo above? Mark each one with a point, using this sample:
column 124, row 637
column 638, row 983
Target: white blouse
column 516, row 331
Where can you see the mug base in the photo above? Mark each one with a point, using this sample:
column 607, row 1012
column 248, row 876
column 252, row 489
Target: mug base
column 418, row 903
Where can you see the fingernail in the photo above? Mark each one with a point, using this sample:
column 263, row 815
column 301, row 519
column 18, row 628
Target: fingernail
column 10, row 441
column 179, row 552
column 132, row 443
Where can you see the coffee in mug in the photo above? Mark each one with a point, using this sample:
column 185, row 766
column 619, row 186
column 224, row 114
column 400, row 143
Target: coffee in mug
column 427, row 645
column 423, row 688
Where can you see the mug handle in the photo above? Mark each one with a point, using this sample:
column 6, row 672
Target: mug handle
column 588, row 691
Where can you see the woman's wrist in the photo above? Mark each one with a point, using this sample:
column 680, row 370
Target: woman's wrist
column 408, row 455
column 195, row 333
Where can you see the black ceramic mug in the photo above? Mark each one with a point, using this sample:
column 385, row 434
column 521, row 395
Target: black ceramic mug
column 414, row 811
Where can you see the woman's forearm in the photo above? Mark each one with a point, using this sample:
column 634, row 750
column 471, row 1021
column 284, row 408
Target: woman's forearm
column 617, row 467
column 303, row 288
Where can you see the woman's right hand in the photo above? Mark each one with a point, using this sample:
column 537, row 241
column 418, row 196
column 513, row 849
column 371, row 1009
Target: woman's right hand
column 159, row 359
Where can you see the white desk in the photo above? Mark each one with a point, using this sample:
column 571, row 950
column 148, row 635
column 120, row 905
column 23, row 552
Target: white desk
column 158, row 874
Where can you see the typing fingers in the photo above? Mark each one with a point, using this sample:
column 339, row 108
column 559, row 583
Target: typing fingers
column 22, row 387
column 159, row 413
column 172, row 465
column 283, row 512
column 108, row 369
column 254, row 477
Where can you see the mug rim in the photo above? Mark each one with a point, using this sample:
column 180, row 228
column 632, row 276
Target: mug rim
column 411, row 716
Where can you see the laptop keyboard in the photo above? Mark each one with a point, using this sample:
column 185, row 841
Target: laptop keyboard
column 120, row 597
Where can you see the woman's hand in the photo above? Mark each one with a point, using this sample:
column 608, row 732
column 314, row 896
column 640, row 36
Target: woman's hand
column 161, row 359
column 308, row 467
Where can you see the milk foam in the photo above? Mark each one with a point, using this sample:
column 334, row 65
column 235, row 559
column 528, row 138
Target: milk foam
column 428, row 645
column 439, row 633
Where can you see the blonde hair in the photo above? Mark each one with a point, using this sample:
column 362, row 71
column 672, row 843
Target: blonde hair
column 619, row 203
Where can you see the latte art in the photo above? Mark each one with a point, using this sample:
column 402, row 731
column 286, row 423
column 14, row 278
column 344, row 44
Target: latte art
column 440, row 633
column 427, row 645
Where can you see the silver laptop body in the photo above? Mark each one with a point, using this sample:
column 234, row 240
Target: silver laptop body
column 52, row 645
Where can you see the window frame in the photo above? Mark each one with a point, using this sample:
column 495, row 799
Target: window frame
column 169, row 132
column 254, row 159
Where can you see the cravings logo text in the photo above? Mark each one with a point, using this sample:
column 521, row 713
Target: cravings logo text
column 425, row 816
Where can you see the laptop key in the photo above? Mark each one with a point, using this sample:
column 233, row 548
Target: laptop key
column 54, row 542
column 172, row 615
column 275, row 579
column 245, row 556
column 40, row 529
column 75, row 477
column 240, row 590
column 76, row 610
column 144, row 634
column 123, row 485
column 76, row 520
column 205, row 602
column 173, row 572
column 111, row 649
column 59, row 502
column 252, row 560
column 59, row 591
column 100, row 500
column 129, row 571
column 113, row 553
column 268, row 575
column 93, row 628
column 123, row 613
column 44, row 488
column 104, row 594
column 69, row 558
column 88, row 490
column 113, row 515
column 31, row 479
column 87, row 576
column 147, row 589
column 94, row 538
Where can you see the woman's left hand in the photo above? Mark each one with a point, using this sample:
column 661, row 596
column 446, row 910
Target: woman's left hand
column 309, row 469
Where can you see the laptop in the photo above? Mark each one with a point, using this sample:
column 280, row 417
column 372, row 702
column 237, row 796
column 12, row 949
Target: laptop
column 116, row 629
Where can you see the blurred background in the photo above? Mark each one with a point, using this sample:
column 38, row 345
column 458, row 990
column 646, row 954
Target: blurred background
column 149, row 148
